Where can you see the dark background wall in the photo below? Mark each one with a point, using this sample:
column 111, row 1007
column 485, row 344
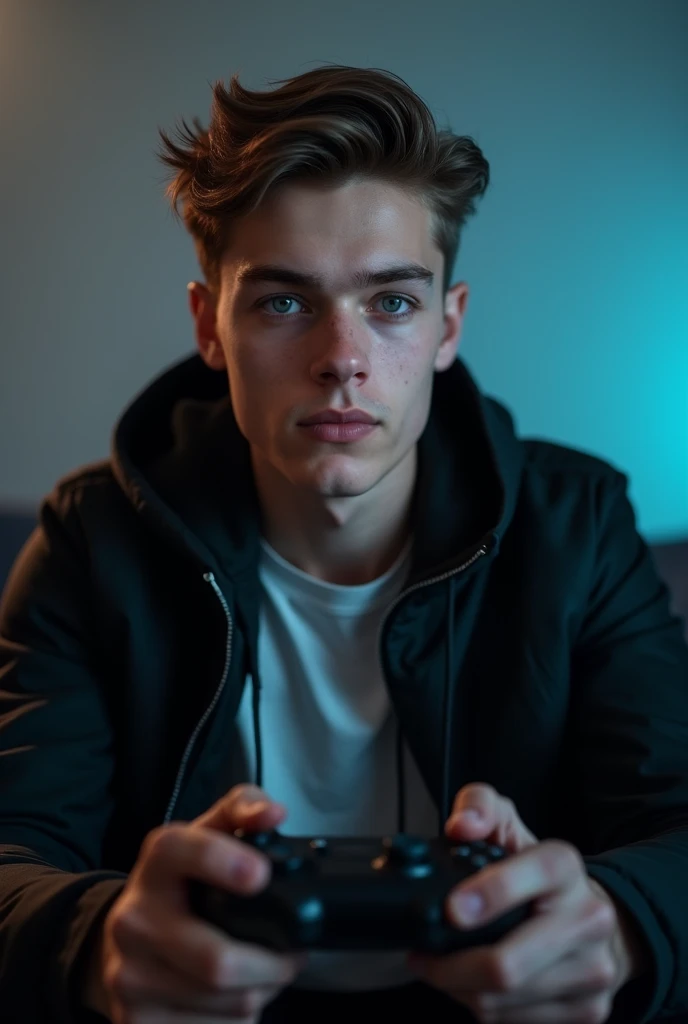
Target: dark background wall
column 577, row 260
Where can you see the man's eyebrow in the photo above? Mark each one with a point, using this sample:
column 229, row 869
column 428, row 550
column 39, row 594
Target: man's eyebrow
column 269, row 272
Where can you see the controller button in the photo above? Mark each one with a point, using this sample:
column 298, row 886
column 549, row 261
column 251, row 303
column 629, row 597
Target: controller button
column 496, row 852
column 461, row 851
column 319, row 845
column 261, row 840
column 284, row 861
column 478, row 860
column 403, row 849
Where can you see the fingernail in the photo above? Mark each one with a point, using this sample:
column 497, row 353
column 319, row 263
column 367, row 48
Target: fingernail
column 255, row 806
column 468, row 817
column 467, row 907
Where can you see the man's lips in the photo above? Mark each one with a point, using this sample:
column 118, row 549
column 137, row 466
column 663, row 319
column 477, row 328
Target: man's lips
column 338, row 416
column 339, row 427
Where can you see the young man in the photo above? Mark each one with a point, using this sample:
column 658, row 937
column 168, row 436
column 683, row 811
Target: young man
column 319, row 560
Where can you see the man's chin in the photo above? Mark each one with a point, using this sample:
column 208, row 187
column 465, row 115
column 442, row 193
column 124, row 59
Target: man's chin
column 338, row 488
column 335, row 485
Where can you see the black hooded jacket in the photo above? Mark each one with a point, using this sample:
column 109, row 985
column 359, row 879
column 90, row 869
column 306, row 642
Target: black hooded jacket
column 130, row 623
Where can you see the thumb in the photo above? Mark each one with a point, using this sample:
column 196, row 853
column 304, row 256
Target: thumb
column 245, row 806
column 480, row 812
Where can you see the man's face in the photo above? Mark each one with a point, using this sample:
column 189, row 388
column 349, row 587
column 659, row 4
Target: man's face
column 317, row 336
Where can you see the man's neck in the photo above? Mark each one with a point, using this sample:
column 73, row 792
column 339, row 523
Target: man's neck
column 348, row 541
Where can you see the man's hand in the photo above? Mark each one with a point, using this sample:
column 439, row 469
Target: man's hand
column 566, row 963
column 156, row 961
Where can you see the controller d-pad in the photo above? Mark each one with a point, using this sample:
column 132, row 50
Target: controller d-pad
column 261, row 840
column 273, row 845
column 463, row 851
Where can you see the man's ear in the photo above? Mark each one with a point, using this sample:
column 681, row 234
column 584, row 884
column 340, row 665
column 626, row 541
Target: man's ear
column 454, row 308
column 203, row 306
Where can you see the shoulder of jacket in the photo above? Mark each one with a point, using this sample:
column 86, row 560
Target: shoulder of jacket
column 89, row 486
column 552, row 459
column 94, row 474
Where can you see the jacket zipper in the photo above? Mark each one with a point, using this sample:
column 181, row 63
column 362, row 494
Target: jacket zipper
column 209, row 577
column 482, row 550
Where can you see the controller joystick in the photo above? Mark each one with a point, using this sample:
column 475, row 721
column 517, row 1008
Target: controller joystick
column 409, row 855
column 260, row 840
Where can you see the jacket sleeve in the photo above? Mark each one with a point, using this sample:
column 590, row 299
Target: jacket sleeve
column 55, row 774
column 629, row 752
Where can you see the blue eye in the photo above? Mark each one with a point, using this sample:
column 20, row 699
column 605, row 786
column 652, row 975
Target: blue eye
column 287, row 311
column 283, row 299
column 394, row 314
column 394, row 298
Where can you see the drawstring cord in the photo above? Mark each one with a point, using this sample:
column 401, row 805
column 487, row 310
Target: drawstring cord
column 401, row 782
column 256, row 687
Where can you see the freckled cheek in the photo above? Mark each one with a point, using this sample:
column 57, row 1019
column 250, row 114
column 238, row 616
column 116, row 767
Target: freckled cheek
column 394, row 365
column 401, row 377
column 409, row 391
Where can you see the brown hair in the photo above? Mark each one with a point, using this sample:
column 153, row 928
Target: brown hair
column 332, row 124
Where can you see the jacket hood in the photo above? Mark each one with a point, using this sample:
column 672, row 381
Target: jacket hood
column 179, row 456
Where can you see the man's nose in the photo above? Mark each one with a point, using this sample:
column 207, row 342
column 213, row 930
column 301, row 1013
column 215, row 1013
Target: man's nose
column 341, row 352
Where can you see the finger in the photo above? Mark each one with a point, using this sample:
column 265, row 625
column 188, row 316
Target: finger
column 575, row 977
column 204, row 956
column 541, row 943
column 592, row 1009
column 166, row 1016
column 521, row 960
column 480, row 812
column 175, row 852
column 259, row 817
column 245, row 806
column 474, row 813
column 550, row 870
column 139, row 983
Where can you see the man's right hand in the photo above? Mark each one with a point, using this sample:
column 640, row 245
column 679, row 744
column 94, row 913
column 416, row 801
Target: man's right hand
column 156, row 961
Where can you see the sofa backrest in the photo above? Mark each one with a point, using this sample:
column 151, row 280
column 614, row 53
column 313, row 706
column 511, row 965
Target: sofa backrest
column 15, row 528
column 672, row 565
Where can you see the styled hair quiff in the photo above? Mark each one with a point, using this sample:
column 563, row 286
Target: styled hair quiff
column 330, row 125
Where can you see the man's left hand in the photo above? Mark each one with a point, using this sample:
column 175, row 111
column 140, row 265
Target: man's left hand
column 566, row 962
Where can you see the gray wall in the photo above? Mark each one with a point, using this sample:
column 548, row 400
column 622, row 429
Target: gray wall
column 578, row 258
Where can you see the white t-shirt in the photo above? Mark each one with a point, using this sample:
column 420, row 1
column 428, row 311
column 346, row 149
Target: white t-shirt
column 329, row 732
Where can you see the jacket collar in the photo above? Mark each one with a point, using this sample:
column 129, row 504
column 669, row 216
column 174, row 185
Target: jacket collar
column 178, row 454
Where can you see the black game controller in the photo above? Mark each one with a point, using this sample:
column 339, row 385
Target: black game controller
column 350, row 893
